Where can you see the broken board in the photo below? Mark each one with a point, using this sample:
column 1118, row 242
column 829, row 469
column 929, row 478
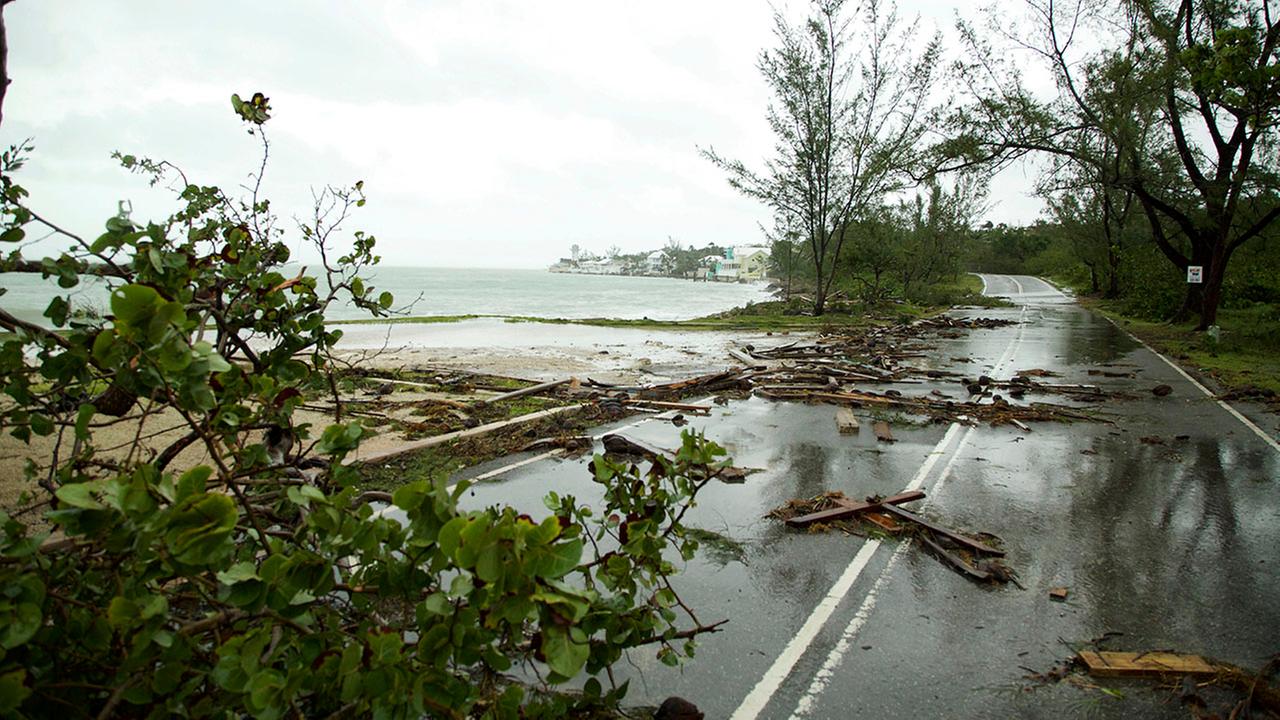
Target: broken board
column 846, row 421
column 1150, row 664
column 883, row 434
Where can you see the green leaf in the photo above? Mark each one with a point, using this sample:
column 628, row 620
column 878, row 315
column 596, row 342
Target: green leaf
column 21, row 624
column 566, row 649
column 83, row 416
column 13, row 235
column 13, row 690
column 385, row 300
column 134, row 304
column 200, row 527
column 80, row 495
column 122, row 612
column 555, row 561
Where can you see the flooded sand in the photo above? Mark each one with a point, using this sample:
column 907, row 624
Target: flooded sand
column 545, row 351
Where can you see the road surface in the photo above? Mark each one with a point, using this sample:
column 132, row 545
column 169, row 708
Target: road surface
column 1171, row 542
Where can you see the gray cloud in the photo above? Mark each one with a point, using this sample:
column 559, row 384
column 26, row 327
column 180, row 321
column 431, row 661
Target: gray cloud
column 488, row 133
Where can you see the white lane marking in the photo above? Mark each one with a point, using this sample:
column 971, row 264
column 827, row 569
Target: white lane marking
column 983, row 278
column 759, row 696
column 756, row 700
column 836, row 657
column 1208, row 393
column 1016, row 284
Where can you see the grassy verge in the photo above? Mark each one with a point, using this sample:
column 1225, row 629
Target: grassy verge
column 1244, row 360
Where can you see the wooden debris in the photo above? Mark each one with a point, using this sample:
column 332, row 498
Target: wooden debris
column 1059, row 594
column 846, row 421
column 745, row 359
column 531, row 390
column 434, row 440
column 566, row 442
column 951, row 535
column 846, row 508
column 885, row 522
column 955, row 560
column 1019, row 424
column 1150, row 664
column 882, row 431
column 663, row 405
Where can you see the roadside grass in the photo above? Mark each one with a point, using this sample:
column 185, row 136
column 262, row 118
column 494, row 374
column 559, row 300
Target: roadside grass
column 1245, row 357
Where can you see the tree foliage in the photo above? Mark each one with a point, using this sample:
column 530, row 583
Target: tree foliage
column 849, row 111
column 1204, row 172
column 222, row 561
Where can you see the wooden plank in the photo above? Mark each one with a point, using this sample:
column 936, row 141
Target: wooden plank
column 882, row 431
column 849, row 508
column 434, row 440
column 886, row 522
column 746, row 359
column 846, row 421
column 687, row 407
column 1151, row 664
column 950, row 534
column 531, row 390
column 955, row 560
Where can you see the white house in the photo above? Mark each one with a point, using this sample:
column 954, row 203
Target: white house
column 656, row 262
column 752, row 261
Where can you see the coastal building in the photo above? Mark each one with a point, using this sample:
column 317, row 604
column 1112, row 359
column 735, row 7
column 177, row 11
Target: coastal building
column 655, row 263
column 753, row 261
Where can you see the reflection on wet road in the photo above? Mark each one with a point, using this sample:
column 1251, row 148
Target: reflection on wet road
column 1164, row 524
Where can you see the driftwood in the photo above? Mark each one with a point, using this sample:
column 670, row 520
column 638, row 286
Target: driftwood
column 531, row 390
column 414, row 445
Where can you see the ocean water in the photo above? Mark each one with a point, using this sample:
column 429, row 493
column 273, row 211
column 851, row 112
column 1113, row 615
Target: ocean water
column 454, row 291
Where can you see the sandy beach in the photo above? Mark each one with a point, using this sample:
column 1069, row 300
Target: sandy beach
column 544, row 351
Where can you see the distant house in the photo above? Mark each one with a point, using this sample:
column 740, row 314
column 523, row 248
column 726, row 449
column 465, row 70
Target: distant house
column 709, row 266
column 656, row 262
column 743, row 263
column 753, row 261
column 600, row 266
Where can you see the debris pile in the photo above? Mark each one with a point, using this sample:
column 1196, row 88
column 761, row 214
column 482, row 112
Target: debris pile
column 970, row 556
column 1206, row 688
column 831, row 368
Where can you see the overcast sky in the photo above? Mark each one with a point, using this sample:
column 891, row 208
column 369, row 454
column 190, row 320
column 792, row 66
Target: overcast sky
column 488, row 133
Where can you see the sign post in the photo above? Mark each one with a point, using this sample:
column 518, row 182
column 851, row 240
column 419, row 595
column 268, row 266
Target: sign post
column 1195, row 274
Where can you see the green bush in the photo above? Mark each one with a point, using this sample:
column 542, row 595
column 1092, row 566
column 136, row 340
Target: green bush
column 257, row 580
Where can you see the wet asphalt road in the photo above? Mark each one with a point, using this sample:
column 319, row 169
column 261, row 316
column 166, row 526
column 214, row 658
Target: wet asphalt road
column 1172, row 544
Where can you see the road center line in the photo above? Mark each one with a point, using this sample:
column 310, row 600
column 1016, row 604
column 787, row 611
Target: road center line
column 837, row 654
column 756, row 700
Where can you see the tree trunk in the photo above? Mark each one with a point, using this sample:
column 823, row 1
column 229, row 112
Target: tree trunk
column 4, row 61
column 1210, row 297
column 1113, row 274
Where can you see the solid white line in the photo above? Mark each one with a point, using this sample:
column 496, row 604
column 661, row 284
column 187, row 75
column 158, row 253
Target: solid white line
column 983, row 278
column 1016, row 284
column 759, row 696
column 1207, row 392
